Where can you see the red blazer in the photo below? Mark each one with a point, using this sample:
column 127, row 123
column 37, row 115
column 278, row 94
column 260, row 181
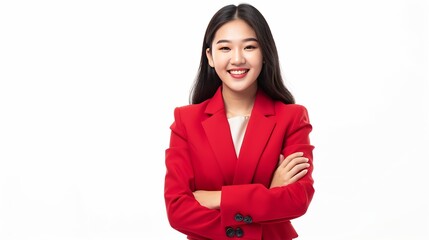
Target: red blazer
column 201, row 156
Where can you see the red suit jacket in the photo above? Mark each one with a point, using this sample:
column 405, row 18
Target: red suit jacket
column 201, row 156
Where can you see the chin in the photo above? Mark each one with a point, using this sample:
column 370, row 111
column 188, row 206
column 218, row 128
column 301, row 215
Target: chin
column 238, row 89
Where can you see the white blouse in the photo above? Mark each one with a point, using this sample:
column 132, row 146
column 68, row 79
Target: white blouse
column 238, row 125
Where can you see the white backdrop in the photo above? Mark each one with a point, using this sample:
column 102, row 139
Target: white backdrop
column 88, row 88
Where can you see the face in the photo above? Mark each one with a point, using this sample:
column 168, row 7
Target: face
column 236, row 57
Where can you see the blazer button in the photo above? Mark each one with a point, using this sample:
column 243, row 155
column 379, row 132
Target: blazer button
column 239, row 232
column 247, row 219
column 238, row 217
column 230, row 232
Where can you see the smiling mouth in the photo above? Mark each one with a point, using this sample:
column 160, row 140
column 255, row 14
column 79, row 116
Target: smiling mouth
column 238, row 72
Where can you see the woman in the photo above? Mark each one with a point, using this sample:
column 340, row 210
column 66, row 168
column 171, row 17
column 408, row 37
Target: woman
column 226, row 175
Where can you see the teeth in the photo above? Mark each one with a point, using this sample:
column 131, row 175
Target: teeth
column 238, row 72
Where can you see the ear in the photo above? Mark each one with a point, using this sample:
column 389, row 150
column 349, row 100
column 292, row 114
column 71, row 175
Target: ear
column 209, row 57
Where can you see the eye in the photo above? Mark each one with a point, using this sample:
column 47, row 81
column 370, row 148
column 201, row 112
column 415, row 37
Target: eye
column 250, row 47
column 224, row 49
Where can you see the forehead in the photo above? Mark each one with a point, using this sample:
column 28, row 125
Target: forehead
column 234, row 30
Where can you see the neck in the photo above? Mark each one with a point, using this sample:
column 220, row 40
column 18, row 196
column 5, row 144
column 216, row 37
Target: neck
column 238, row 103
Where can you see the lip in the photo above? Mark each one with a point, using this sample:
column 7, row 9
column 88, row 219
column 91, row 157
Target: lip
column 238, row 72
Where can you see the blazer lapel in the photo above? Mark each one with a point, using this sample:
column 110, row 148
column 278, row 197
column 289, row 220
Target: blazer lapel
column 258, row 132
column 219, row 137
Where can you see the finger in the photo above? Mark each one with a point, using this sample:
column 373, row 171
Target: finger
column 298, row 176
column 291, row 157
column 281, row 159
column 294, row 155
column 292, row 163
column 297, row 168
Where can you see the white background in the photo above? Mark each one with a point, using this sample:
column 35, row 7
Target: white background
column 88, row 88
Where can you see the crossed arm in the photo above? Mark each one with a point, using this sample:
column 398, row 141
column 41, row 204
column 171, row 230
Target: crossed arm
column 289, row 170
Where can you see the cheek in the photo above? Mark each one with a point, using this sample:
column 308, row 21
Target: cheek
column 257, row 62
column 255, row 58
column 219, row 73
column 220, row 60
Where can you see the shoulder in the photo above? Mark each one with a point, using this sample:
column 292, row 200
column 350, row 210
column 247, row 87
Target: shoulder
column 282, row 108
column 190, row 111
column 291, row 112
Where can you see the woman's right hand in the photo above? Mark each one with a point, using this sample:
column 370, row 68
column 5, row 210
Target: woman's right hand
column 290, row 169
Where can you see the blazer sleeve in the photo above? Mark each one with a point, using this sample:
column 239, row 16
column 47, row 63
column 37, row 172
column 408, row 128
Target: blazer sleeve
column 278, row 204
column 184, row 213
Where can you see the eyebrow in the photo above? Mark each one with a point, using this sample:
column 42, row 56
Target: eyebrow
column 244, row 40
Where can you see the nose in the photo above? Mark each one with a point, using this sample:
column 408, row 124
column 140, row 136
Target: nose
column 237, row 57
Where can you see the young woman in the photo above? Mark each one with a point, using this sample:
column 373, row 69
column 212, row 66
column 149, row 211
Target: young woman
column 227, row 176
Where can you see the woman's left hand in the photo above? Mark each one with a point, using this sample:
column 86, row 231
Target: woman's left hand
column 208, row 199
column 290, row 169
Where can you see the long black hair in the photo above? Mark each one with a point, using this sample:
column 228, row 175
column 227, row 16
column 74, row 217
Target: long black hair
column 270, row 79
